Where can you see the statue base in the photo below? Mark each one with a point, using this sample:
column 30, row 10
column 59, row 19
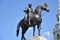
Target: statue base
column 37, row 38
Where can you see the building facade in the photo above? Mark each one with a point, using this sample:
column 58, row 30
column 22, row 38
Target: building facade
column 57, row 26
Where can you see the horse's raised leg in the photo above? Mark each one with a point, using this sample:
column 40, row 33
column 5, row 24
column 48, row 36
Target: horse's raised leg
column 34, row 31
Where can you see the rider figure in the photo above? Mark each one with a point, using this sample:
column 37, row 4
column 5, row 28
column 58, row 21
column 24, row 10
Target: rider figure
column 28, row 10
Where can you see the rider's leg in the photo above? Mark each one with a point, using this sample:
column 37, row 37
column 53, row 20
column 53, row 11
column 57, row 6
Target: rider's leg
column 25, row 18
column 29, row 21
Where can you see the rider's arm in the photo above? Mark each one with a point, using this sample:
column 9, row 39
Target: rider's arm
column 25, row 9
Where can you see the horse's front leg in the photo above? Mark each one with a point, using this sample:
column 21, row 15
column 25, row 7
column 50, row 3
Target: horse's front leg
column 34, row 31
column 22, row 37
column 39, row 29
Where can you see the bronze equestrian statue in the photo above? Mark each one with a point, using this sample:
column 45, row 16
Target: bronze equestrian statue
column 35, row 19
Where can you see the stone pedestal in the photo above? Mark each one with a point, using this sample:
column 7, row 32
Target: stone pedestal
column 37, row 38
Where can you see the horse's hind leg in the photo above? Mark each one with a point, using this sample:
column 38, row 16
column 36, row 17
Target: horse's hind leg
column 23, row 32
column 23, row 38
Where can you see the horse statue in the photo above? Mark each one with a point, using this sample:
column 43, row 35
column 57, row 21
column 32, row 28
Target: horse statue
column 36, row 19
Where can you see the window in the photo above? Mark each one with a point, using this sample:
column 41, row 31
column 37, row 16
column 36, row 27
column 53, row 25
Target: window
column 58, row 37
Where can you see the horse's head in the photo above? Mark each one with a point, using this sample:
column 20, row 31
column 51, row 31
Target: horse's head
column 45, row 7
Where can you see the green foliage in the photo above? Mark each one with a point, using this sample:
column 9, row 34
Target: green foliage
column 57, row 38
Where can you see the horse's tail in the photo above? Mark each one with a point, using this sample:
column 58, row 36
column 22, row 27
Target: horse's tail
column 18, row 28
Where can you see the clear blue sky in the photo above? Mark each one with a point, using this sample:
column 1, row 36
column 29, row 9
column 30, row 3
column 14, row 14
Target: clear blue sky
column 11, row 12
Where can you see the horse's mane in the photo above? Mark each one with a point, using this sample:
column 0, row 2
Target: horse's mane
column 36, row 9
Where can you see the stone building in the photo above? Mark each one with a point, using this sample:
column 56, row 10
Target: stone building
column 57, row 26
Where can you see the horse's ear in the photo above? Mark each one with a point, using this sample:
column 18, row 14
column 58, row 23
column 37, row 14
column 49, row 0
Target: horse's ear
column 45, row 3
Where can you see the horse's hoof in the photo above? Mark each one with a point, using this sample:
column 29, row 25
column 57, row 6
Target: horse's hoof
column 38, row 34
column 40, row 28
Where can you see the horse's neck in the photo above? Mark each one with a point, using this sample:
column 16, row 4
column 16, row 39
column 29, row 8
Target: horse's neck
column 38, row 11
